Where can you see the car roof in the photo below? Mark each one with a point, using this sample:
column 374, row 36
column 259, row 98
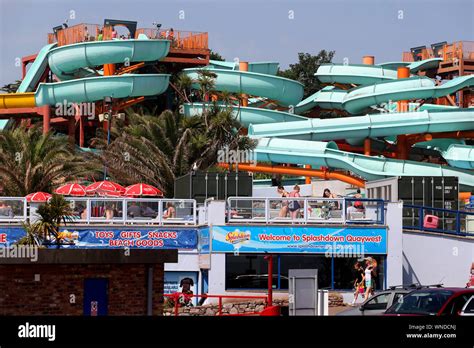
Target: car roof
column 453, row 290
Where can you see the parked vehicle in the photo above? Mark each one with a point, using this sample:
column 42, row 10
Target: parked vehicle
column 378, row 304
column 432, row 301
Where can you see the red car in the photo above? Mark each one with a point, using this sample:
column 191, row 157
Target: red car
column 431, row 301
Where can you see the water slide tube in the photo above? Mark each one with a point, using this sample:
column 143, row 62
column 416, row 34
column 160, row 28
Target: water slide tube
column 66, row 61
column 371, row 168
column 368, row 126
column 362, row 74
column 88, row 90
column 285, row 91
column 246, row 115
column 360, row 98
column 459, row 156
column 268, row 68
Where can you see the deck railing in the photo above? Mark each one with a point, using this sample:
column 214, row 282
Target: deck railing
column 180, row 39
column 438, row 220
column 305, row 210
column 449, row 52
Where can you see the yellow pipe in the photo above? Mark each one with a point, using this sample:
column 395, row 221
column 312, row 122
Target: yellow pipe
column 17, row 100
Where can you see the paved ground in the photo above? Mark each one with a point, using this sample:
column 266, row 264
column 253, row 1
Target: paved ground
column 335, row 310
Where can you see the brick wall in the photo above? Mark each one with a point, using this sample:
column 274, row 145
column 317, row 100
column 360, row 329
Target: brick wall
column 20, row 294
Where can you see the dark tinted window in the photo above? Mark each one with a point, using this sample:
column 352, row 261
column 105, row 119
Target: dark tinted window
column 421, row 302
column 321, row 262
column 378, row 302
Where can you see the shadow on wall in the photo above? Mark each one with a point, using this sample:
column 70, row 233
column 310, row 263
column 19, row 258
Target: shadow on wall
column 409, row 274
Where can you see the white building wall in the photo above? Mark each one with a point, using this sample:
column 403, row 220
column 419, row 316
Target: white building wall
column 430, row 258
column 394, row 262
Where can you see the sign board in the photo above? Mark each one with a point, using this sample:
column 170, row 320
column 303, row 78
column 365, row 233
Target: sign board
column 300, row 239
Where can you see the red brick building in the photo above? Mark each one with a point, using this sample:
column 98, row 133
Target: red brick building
column 84, row 282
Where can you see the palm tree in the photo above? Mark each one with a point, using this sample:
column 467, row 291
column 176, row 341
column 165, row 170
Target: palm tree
column 31, row 161
column 54, row 212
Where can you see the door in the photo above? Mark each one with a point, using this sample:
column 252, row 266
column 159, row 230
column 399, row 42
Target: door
column 96, row 296
column 376, row 305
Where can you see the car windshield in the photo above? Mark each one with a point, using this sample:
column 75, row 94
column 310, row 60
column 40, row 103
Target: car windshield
column 421, row 302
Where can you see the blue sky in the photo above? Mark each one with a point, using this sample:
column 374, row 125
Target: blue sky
column 253, row 30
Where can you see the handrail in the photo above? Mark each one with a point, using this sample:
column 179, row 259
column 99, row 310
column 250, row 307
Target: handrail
column 308, row 210
column 458, row 225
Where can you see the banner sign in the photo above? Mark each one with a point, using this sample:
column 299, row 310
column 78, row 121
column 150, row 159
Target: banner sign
column 299, row 239
column 110, row 237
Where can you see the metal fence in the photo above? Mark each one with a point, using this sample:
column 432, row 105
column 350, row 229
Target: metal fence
column 305, row 210
column 439, row 220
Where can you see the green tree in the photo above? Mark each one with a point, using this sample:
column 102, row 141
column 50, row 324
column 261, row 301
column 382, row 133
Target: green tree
column 304, row 70
column 216, row 56
column 31, row 161
column 11, row 87
column 52, row 214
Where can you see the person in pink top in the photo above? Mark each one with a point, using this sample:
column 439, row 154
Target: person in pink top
column 294, row 206
column 114, row 33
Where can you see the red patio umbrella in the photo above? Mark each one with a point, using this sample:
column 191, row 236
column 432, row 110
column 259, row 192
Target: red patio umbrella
column 142, row 190
column 38, row 197
column 105, row 186
column 108, row 193
column 76, row 190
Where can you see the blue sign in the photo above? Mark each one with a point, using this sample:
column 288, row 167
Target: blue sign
column 300, row 239
column 98, row 237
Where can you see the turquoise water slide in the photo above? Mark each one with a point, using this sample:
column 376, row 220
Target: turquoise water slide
column 362, row 74
column 68, row 62
column 269, row 68
column 97, row 88
column 283, row 138
column 368, row 126
column 361, row 98
column 247, row 115
column 76, row 60
column 327, row 154
column 286, row 91
column 36, row 70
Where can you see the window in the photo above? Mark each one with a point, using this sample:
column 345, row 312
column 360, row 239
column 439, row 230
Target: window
column 378, row 302
column 321, row 262
column 398, row 297
column 469, row 309
column 456, row 305
column 247, row 271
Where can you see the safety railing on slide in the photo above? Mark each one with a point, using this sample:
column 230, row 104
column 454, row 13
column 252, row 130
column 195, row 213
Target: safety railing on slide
column 438, row 220
column 180, row 300
column 305, row 210
column 186, row 40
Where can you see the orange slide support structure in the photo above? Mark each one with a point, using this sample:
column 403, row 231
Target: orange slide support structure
column 323, row 174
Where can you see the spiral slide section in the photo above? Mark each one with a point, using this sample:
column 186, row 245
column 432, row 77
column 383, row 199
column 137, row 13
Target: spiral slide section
column 287, row 92
column 67, row 61
column 369, row 167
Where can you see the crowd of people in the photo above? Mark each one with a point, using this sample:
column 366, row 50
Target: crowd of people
column 293, row 208
column 165, row 34
column 133, row 211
